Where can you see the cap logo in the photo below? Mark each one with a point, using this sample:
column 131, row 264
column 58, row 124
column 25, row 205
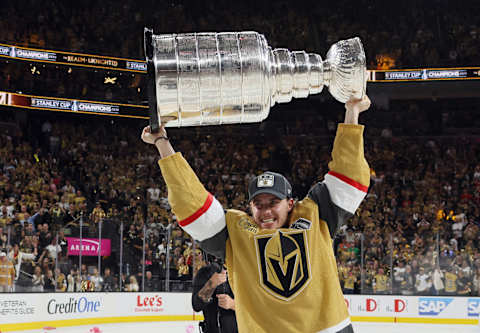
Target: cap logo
column 265, row 181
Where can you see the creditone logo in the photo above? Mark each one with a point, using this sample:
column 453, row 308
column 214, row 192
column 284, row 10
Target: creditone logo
column 73, row 305
column 473, row 307
column 149, row 303
column 429, row 306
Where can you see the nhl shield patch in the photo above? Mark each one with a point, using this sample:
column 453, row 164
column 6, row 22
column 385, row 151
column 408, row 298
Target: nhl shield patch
column 266, row 180
column 283, row 262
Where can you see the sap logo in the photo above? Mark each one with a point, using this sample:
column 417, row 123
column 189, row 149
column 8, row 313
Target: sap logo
column 473, row 307
column 432, row 306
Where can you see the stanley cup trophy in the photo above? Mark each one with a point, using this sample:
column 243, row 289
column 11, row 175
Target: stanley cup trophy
column 202, row 79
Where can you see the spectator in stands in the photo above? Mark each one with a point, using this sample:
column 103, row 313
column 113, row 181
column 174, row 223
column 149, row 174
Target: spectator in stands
column 49, row 282
column 423, row 282
column 464, row 284
column 381, row 283
column 132, row 284
column 183, row 269
column 61, row 281
column 349, row 282
column 409, row 282
column 399, row 273
column 151, row 284
column 74, row 281
column 38, row 280
column 153, row 192
column 23, row 260
column 7, row 274
column 96, row 279
column 437, row 279
column 476, row 282
column 5, row 218
column 53, row 249
column 109, row 282
column 198, row 261
column 451, row 281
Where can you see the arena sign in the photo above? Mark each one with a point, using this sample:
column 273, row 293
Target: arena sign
column 425, row 74
column 88, row 246
column 72, row 105
column 140, row 66
column 74, row 59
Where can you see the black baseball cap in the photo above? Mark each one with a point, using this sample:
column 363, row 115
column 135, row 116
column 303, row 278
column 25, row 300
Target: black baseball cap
column 272, row 183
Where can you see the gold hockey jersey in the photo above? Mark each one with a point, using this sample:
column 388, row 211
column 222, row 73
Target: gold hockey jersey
column 284, row 280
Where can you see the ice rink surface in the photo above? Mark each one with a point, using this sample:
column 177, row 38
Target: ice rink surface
column 164, row 327
column 413, row 328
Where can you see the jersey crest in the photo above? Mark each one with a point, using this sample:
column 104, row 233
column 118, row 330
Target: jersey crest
column 283, row 262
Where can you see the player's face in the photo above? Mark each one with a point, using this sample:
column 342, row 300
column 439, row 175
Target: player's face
column 270, row 212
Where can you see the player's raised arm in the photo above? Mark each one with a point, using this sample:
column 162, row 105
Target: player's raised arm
column 347, row 181
column 197, row 211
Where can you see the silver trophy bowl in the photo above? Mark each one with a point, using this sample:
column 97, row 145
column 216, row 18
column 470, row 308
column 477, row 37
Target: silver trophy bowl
column 235, row 77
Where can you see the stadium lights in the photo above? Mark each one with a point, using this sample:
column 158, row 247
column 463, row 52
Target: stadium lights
column 111, row 80
column 34, row 70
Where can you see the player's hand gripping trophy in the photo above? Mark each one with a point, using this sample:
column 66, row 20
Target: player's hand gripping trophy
column 235, row 77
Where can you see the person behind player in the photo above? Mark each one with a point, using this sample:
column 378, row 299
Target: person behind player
column 280, row 259
column 213, row 296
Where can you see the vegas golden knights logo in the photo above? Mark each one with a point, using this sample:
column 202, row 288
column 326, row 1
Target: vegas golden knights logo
column 283, row 262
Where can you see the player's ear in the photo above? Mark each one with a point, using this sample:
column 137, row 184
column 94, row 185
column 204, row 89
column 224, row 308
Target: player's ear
column 290, row 203
column 249, row 208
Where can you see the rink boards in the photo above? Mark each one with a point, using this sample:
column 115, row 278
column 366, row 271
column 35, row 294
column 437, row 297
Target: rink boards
column 53, row 310
column 414, row 309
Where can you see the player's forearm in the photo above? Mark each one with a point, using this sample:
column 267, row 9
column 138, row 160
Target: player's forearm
column 197, row 211
column 351, row 117
column 349, row 175
column 164, row 148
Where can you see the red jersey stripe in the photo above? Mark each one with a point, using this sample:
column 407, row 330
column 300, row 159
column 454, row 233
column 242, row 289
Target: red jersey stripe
column 349, row 181
column 198, row 213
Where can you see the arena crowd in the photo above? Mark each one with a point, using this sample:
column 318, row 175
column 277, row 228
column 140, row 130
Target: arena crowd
column 415, row 233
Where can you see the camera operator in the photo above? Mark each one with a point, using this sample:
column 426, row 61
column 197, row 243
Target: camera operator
column 213, row 296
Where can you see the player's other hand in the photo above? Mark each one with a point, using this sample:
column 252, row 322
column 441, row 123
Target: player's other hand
column 354, row 107
column 149, row 137
column 358, row 105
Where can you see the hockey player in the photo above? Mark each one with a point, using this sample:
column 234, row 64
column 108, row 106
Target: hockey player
column 280, row 259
